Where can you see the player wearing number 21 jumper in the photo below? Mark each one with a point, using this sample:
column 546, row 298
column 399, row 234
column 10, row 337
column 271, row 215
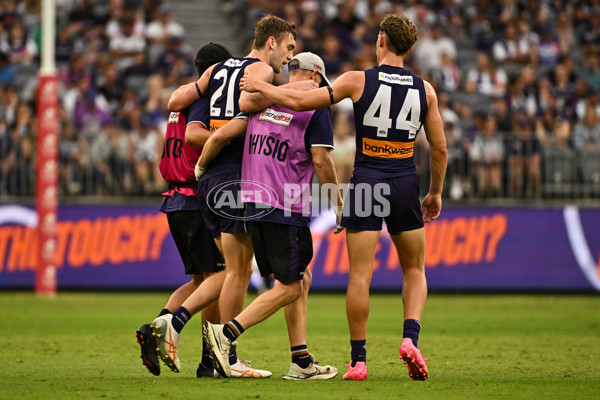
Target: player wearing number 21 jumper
column 283, row 149
column 274, row 42
column 391, row 105
column 201, row 258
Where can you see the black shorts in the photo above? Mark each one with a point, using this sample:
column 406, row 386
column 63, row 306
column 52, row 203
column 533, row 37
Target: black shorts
column 196, row 245
column 281, row 250
column 371, row 200
column 221, row 211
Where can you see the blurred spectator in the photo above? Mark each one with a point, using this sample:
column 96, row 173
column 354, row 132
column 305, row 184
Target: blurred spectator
column 430, row 49
column 111, row 87
column 71, row 151
column 510, row 48
column 65, row 43
column 7, row 72
column 126, row 44
column 89, row 117
column 521, row 92
column 504, row 120
column 74, row 71
column 121, row 15
column 486, row 78
column 562, row 89
column 344, row 23
column 486, row 155
column 591, row 69
column 159, row 31
column 524, row 160
column 586, row 134
column 548, row 48
column 147, row 147
column 421, row 16
column 528, row 36
column 7, row 157
column 457, row 185
column 554, row 130
column 9, row 100
column 18, row 44
column 567, row 42
column 591, row 35
column 175, row 64
column 332, row 54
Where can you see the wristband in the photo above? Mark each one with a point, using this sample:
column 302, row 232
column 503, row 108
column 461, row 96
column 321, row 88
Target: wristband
column 198, row 89
column 330, row 94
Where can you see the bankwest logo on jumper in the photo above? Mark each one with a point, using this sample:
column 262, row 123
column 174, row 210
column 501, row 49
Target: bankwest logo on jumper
column 395, row 78
column 217, row 123
column 276, row 117
column 387, row 149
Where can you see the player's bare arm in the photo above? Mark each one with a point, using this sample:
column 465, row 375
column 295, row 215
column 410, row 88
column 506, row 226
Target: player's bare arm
column 348, row 85
column 253, row 102
column 325, row 170
column 186, row 94
column 196, row 134
column 221, row 138
column 434, row 131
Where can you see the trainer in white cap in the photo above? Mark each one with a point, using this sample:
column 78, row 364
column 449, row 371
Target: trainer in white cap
column 310, row 62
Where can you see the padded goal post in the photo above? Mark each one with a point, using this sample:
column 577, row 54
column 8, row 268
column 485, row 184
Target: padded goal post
column 47, row 157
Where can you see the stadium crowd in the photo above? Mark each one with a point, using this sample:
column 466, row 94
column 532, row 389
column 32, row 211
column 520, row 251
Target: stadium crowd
column 518, row 84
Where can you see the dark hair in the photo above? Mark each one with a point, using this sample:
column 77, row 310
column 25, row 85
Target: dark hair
column 268, row 26
column 400, row 31
column 210, row 54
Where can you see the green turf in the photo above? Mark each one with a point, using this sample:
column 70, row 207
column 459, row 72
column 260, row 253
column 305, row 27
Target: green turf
column 82, row 346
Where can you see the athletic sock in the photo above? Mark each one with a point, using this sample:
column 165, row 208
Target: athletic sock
column 206, row 361
column 359, row 351
column 300, row 356
column 164, row 311
column 180, row 317
column 233, row 356
column 232, row 330
column 412, row 327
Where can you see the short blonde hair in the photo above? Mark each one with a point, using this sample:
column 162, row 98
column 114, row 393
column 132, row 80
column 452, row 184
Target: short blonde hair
column 400, row 31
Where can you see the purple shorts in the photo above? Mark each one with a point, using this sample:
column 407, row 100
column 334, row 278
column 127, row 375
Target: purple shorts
column 196, row 246
column 371, row 200
column 218, row 198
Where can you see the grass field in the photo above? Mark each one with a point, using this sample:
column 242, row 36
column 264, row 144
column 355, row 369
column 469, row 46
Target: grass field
column 82, row 346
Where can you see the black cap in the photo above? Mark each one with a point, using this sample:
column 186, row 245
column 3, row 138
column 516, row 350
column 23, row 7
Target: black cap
column 210, row 54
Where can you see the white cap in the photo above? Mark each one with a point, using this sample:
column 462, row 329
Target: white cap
column 310, row 62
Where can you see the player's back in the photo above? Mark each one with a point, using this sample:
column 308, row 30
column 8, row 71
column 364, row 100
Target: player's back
column 224, row 93
column 178, row 158
column 388, row 116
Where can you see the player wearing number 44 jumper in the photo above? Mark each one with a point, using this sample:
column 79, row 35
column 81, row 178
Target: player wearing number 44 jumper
column 201, row 258
column 391, row 105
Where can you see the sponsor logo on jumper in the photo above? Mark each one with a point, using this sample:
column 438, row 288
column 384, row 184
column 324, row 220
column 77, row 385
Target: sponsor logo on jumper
column 173, row 118
column 268, row 146
column 276, row 117
column 232, row 62
column 396, row 79
column 387, row 149
column 217, row 123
